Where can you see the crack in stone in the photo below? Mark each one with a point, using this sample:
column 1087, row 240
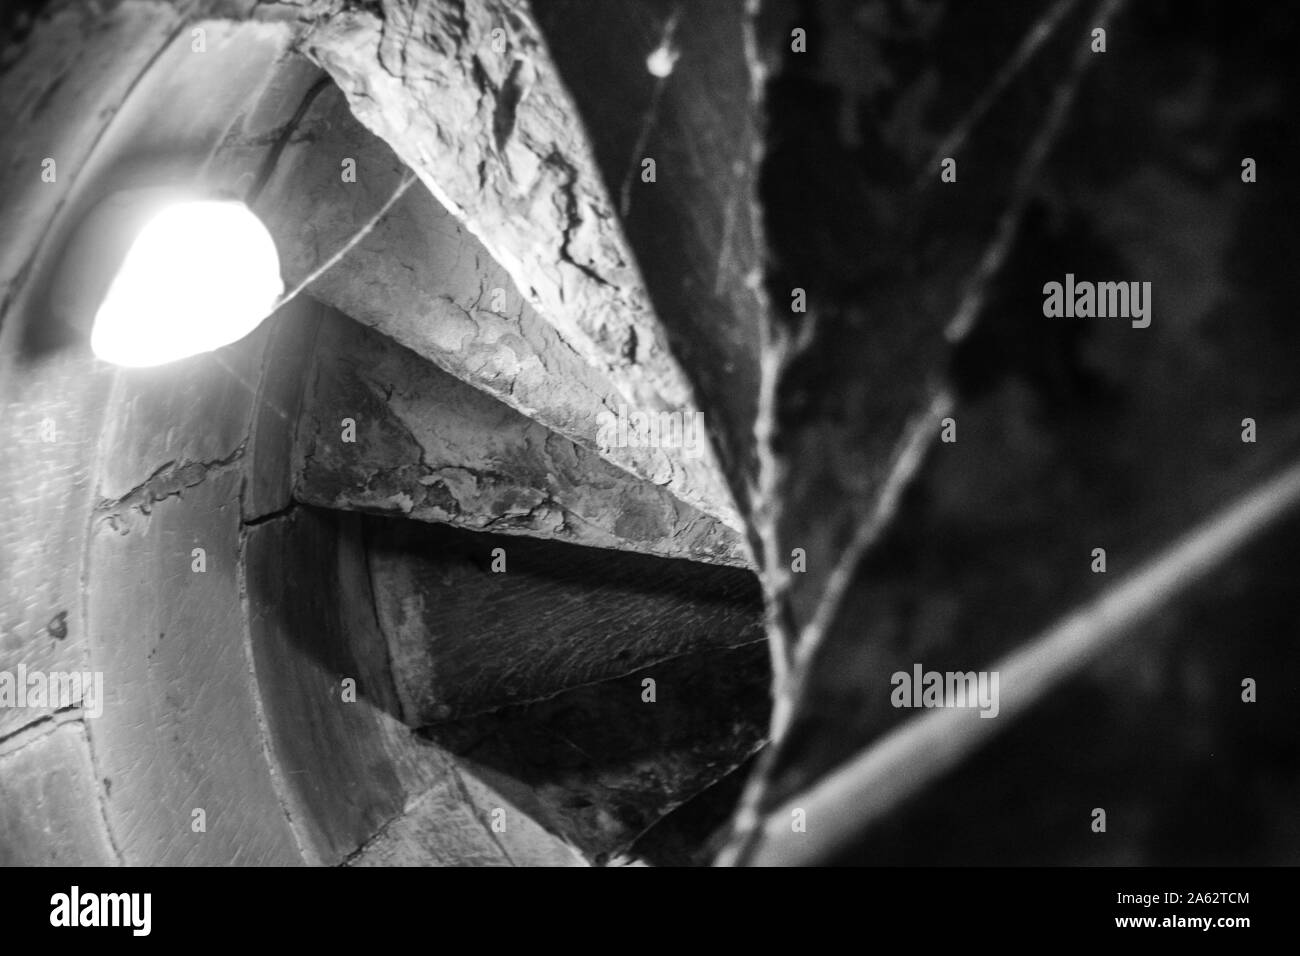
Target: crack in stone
column 572, row 220
column 278, row 139
column 169, row 480
column 40, row 728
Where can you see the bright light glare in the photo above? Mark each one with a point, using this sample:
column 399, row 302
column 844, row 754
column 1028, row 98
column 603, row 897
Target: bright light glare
column 199, row 275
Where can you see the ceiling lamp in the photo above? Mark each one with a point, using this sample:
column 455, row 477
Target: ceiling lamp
column 198, row 275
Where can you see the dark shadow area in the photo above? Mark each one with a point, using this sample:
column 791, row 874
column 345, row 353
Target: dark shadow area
column 1158, row 736
column 608, row 761
column 1073, row 434
column 693, row 834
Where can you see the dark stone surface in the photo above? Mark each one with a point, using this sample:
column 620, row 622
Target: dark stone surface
column 466, row 639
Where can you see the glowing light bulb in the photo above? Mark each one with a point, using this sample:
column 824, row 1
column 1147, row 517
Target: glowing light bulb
column 199, row 275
